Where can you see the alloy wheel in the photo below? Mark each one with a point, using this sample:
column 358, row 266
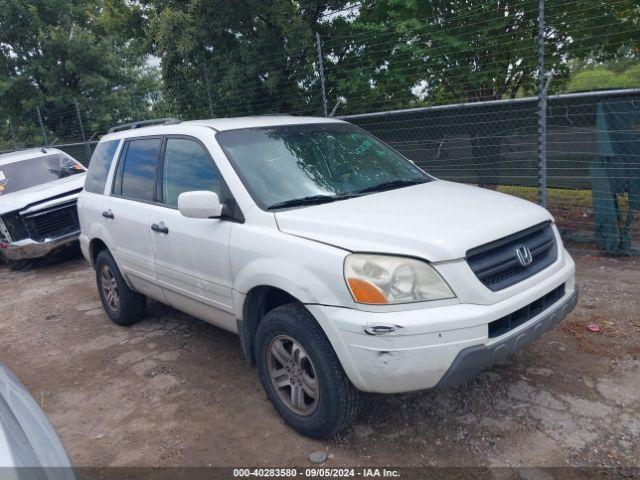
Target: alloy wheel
column 293, row 375
column 109, row 288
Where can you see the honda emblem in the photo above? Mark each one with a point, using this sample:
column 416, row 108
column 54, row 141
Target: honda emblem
column 523, row 254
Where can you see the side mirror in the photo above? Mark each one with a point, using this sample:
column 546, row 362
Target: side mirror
column 200, row 204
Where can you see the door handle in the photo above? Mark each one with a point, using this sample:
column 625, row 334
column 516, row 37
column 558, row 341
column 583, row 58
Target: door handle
column 160, row 228
column 108, row 214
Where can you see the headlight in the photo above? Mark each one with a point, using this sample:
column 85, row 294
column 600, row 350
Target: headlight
column 383, row 279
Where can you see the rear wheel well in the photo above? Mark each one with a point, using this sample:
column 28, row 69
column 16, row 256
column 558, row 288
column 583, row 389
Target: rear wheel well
column 260, row 301
column 95, row 247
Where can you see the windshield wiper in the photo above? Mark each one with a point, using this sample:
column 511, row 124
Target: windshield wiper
column 311, row 200
column 390, row 185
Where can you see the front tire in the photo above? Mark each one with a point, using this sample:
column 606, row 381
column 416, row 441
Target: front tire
column 302, row 375
column 123, row 305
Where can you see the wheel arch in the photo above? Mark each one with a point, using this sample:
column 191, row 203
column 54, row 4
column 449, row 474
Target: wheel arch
column 96, row 245
column 259, row 301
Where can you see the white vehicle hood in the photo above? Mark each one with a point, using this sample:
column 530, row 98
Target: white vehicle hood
column 436, row 221
column 20, row 199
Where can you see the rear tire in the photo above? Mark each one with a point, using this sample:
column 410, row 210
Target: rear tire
column 123, row 305
column 302, row 375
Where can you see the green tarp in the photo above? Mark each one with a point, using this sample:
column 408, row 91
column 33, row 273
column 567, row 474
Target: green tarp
column 616, row 171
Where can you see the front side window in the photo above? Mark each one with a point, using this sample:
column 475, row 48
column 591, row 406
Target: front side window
column 139, row 170
column 187, row 167
column 99, row 166
column 32, row 172
column 282, row 165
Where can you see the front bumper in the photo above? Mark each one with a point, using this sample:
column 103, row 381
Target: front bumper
column 472, row 360
column 441, row 345
column 28, row 248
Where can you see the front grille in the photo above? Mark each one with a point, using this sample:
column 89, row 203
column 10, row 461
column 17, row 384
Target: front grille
column 497, row 266
column 15, row 226
column 517, row 318
column 53, row 222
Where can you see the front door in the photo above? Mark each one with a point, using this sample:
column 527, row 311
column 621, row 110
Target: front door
column 191, row 255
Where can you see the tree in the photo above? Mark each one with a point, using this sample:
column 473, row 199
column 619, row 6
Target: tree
column 399, row 53
column 405, row 53
column 604, row 78
column 56, row 52
column 250, row 56
column 242, row 57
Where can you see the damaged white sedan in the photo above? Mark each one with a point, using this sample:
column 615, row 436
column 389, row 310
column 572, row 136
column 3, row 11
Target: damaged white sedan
column 38, row 193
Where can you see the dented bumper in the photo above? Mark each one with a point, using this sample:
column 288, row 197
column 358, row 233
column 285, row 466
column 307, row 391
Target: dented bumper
column 472, row 360
column 439, row 346
column 29, row 248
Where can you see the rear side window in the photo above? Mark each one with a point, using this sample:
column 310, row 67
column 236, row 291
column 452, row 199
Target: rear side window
column 99, row 166
column 139, row 169
column 187, row 167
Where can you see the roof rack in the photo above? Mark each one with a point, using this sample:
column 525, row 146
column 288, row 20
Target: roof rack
column 144, row 123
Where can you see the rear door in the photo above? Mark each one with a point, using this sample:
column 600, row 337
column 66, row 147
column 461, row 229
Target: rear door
column 129, row 210
column 94, row 200
column 192, row 255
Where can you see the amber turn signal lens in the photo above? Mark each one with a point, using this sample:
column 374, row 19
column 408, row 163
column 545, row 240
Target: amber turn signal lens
column 365, row 292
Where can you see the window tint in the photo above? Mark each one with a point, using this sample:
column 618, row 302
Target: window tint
column 187, row 167
column 138, row 173
column 99, row 166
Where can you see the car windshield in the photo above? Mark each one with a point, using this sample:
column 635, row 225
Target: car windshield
column 293, row 165
column 29, row 173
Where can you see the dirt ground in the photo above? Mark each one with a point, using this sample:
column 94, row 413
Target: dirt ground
column 174, row 391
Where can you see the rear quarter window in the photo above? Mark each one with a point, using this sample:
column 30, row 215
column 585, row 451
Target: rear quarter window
column 99, row 166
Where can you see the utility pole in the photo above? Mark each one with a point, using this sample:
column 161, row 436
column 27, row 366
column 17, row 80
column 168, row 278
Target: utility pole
column 542, row 111
column 321, row 71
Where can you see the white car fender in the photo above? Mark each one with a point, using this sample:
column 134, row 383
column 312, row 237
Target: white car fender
column 267, row 258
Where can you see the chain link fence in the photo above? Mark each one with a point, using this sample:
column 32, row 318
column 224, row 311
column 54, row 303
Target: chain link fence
column 577, row 153
column 592, row 147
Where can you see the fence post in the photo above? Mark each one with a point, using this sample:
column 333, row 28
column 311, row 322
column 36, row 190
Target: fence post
column 321, row 71
column 542, row 112
column 208, row 87
column 44, row 135
column 87, row 152
column 13, row 133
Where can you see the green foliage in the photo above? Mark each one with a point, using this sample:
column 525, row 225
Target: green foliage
column 241, row 57
column 56, row 52
column 469, row 50
column 252, row 56
column 223, row 58
column 598, row 78
column 601, row 78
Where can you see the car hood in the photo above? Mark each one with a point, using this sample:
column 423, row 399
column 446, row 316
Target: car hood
column 22, row 198
column 436, row 221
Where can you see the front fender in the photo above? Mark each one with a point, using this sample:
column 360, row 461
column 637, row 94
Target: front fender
column 297, row 280
column 309, row 271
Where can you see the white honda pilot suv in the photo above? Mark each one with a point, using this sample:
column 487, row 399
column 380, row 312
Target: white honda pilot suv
column 342, row 266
